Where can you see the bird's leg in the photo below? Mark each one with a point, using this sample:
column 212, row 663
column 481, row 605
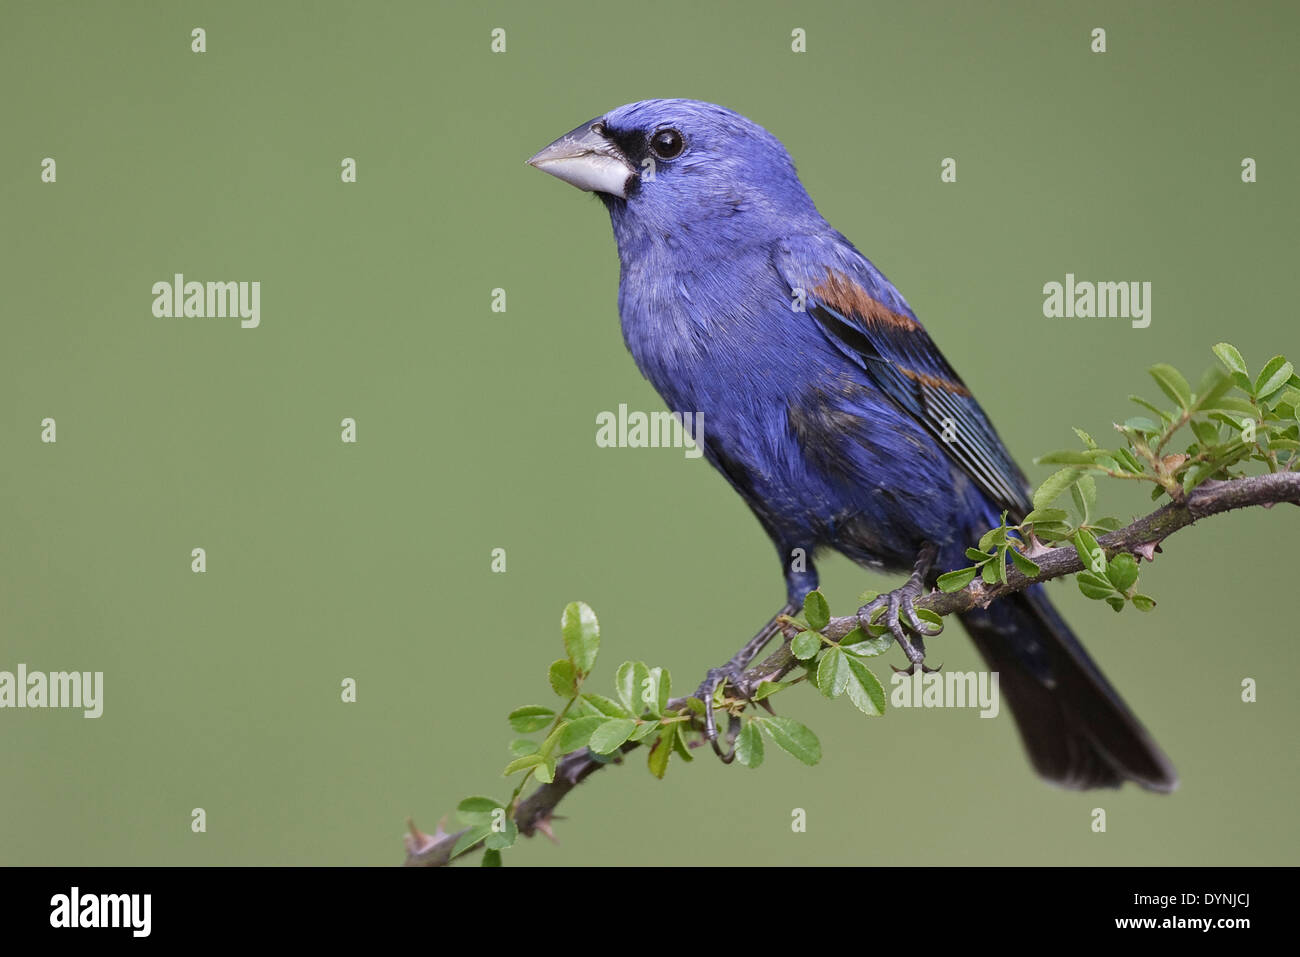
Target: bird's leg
column 902, row 599
column 731, row 672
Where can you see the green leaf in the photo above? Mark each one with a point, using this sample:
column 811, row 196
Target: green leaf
column 1207, row 433
column 1055, row 484
column 956, row 581
column 1172, row 384
column 994, row 536
column 833, row 673
column 552, row 740
column 477, row 810
column 581, row 709
column 521, row 746
column 470, row 838
column 1027, row 567
column 1197, row 474
column 1045, row 515
column 1273, row 376
column 628, row 683
column 989, row 573
column 1140, row 423
column 530, row 718
column 1115, row 602
column 977, row 556
column 1088, row 550
column 563, row 678
column 864, row 689
column 491, row 859
column 522, row 763
column 607, row 706
column 816, row 611
column 1230, row 357
column 663, row 684
column 1160, row 413
column 1122, row 571
column 1094, row 586
column 749, row 746
column 545, row 772
column 645, row 729
column 576, row 734
column 858, row 642
column 793, row 737
column 680, row 745
column 1084, row 493
column 805, row 645
column 1054, row 532
column 1064, row 457
column 581, row 635
column 611, row 734
column 1230, row 403
column 1143, row 602
column 768, row 688
column 661, row 751
column 929, row 617
column 498, row 841
column 1214, row 385
column 1129, row 461
column 1085, row 438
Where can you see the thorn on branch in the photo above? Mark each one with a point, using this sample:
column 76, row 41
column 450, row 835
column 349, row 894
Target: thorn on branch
column 1147, row 550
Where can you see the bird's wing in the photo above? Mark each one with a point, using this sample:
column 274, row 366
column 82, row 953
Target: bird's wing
column 867, row 320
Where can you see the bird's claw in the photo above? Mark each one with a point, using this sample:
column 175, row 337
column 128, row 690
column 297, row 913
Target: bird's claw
column 715, row 678
column 901, row 601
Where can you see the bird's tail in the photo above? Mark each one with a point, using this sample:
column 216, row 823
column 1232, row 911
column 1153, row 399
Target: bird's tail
column 1077, row 730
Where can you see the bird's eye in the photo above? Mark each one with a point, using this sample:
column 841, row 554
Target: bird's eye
column 667, row 144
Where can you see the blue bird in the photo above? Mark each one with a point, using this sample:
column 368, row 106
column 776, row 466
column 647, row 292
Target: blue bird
column 828, row 407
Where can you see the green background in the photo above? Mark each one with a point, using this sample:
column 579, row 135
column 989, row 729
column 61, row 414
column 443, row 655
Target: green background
column 476, row 429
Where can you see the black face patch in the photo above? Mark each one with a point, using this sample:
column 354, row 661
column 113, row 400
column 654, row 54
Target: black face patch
column 634, row 144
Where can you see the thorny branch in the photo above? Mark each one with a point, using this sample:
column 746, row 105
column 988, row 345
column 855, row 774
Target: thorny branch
column 1140, row 539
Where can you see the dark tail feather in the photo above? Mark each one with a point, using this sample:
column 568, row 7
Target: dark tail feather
column 1077, row 730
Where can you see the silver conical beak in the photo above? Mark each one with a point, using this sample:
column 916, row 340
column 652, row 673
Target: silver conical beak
column 585, row 158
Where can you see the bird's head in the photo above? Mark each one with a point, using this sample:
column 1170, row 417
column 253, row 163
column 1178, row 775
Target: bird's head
column 664, row 167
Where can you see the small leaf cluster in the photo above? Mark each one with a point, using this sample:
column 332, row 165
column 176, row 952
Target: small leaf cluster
column 995, row 547
column 641, row 710
column 835, row 668
column 1232, row 417
column 638, row 710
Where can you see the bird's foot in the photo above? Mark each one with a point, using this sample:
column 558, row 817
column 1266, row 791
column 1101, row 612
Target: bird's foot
column 899, row 605
column 733, row 674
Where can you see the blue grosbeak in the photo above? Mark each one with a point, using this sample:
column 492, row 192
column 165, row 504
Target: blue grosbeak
column 828, row 407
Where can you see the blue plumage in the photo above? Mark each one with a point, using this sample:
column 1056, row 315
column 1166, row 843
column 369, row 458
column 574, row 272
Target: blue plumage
column 826, row 405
